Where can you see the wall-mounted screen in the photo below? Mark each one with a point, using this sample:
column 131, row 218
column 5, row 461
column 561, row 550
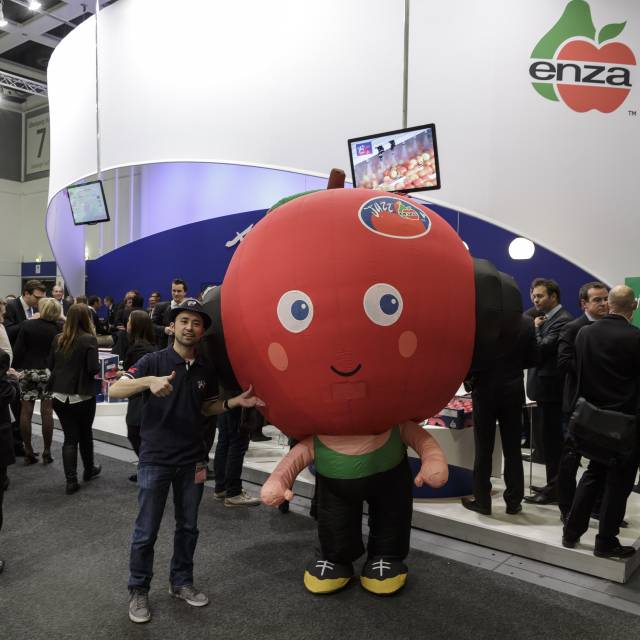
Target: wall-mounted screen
column 88, row 204
column 401, row 161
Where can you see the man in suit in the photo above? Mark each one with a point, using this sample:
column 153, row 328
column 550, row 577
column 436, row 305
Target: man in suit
column 23, row 308
column 545, row 381
column 17, row 311
column 58, row 294
column 593, row 298
column 154, row 298
column 608, row 365
column 111, row 312
column 161, row 316
column 498, row 395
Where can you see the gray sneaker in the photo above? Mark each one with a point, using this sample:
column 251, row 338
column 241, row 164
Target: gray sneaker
column 190, row 595
column 139, row 610
column 243, row 499
column 220, row 495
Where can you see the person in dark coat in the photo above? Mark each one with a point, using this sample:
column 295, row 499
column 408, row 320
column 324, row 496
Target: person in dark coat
column 608, row 368
column 73, row 362
column 30, row 356
column 8, row 391
column 141, row 341
column 545, row 381
column 498, row 395
column 594, row 302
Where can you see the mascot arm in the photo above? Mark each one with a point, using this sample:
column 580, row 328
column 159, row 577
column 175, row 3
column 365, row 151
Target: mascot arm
column 277, row 488
column 434, row 470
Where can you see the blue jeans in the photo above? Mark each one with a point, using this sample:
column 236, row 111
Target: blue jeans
column 230, row 450
column 153, row 488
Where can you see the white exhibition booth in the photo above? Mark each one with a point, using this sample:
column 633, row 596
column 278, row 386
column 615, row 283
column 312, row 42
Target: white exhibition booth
column 283, row 84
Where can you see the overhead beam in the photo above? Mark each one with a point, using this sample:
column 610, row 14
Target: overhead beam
column 23, row 84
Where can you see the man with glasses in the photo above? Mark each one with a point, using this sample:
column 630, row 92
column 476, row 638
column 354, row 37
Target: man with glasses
column 23, row 308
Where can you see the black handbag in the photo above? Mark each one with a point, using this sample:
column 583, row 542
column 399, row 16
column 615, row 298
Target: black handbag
column 605, row 436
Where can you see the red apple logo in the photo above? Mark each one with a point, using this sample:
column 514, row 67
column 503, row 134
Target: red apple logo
column 606, row 97
column 571, row 62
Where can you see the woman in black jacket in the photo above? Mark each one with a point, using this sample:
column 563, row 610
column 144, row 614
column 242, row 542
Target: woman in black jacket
column 74, row 363
column 141, row 341
column 30, row 355
column 8, row 391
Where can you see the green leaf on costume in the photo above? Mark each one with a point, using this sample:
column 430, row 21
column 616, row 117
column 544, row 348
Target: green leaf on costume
column 610, row 31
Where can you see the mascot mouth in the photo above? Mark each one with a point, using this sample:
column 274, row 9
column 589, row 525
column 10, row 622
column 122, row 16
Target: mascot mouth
column 346, row 374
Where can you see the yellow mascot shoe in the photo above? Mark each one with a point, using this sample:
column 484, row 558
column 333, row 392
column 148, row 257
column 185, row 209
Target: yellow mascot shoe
column 383, row 576
column 322, row 576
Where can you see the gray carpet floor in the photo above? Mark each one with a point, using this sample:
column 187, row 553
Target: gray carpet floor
column 67, row 570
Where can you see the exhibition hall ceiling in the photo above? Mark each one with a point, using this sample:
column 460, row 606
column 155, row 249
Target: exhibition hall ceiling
column 30, row 36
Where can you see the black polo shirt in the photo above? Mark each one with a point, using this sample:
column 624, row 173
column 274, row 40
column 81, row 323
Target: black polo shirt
column 173, row 429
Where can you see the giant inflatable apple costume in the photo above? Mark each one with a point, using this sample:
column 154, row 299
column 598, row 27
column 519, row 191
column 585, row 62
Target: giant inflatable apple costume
column 354, row 313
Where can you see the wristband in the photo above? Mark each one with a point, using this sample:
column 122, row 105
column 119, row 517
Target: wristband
column 225, row 405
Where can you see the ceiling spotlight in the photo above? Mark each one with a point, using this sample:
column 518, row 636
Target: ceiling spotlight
column 3, row 20
column 34, row 5
column 521, row 249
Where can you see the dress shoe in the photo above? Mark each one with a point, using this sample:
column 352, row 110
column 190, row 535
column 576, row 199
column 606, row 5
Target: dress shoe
column 542, row 498
column 72, row 487
column 46, row 457
column 636, row 488
column 90, row 474
column 133, row 477
column 569, row 543
column 619, row 551
column 538, row 489
column 514, row 509
column 474, row 505
column 30, row 458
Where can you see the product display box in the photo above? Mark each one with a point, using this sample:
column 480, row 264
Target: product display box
column 458, row 414
column 108, row 366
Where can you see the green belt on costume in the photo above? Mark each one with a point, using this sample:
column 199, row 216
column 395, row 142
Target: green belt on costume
column 333, row 464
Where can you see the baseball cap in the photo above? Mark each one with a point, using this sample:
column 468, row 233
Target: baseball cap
column 193, row 306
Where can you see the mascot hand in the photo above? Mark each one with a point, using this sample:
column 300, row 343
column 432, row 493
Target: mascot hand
column 434, row 473
column 274, row 492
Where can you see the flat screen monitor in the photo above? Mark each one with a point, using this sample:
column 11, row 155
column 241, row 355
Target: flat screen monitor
column 88, row 204
column 400, row 161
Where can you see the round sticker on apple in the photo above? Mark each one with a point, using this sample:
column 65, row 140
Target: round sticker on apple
column 394, row 218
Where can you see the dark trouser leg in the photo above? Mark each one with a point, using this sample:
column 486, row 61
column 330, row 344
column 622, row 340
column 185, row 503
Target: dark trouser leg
column 65, row 413
column 153, row 489
column 16, row 406
column 133, row 436
column 390, row 507
column 588, row 488
column 553, row 440
column 238, row 444
column 566, row 484
column 484, row 434
column 510, row 422
column 85, row 413
column 340, row 519
column 220, row 455
column 618, row 484
column 186, row 499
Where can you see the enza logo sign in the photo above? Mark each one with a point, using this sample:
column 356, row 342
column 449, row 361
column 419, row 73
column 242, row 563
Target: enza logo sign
column 571, row 65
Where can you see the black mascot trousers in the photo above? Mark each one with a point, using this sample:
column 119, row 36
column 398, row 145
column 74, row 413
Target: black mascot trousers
column 390, row 500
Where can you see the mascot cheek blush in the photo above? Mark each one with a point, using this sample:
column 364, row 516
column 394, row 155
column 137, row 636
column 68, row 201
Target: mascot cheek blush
column 353, row 314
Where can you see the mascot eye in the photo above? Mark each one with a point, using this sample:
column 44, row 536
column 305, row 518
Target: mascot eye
column 383, row 304
column 295, row 311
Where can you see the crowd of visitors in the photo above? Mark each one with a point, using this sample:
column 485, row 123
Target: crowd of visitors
column 49, row 353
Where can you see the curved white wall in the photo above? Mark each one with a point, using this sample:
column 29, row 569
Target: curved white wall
column 285, row 83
